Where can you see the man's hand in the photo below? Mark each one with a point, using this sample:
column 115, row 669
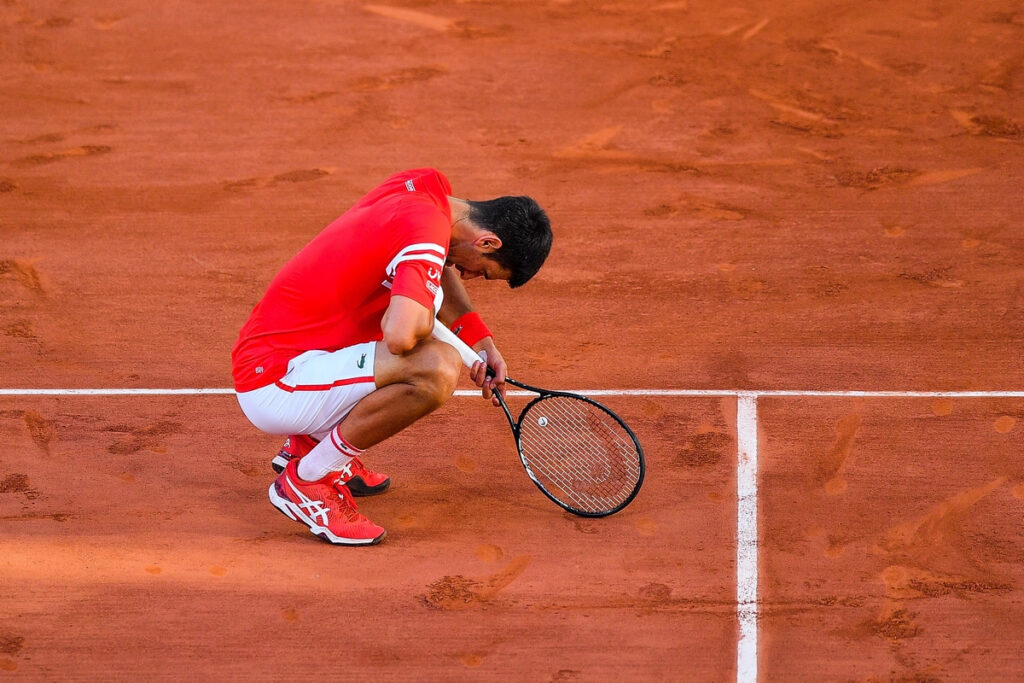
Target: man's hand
column 479, row 371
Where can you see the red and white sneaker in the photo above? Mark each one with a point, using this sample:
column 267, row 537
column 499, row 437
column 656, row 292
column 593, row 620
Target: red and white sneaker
column 327, row 510
column 359, row 480
column 294, row 447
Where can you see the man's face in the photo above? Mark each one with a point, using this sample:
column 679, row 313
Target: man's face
column 473, row 263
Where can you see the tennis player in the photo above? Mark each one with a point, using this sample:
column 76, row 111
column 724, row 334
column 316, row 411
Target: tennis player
column 338, row 354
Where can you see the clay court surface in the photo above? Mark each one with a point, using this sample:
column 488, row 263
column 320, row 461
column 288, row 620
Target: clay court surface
column 748, row 198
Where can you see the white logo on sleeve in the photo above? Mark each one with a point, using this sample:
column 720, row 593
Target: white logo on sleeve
column 426, row 252
column 409, row 186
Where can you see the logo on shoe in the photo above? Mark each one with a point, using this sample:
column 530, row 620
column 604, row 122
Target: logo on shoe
column 314, row 508
column 346, row 471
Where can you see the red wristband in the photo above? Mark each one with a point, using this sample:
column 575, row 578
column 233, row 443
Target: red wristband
column 470, row 328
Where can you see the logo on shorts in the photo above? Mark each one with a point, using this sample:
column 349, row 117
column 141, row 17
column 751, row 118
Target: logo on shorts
column 361, row 362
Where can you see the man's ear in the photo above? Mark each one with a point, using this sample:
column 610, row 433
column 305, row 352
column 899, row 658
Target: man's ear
column 488, row 243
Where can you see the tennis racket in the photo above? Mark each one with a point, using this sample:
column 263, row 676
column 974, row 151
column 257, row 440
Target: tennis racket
column 579, row 453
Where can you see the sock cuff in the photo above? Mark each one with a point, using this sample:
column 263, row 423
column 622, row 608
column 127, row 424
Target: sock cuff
column 342, row 444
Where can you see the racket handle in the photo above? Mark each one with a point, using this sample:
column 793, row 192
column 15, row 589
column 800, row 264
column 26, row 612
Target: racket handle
column 469, row 356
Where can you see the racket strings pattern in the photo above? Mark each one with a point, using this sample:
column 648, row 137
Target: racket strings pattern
column 580, row 453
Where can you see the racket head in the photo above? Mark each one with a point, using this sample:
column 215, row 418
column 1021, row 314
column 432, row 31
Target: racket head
column 580, row 454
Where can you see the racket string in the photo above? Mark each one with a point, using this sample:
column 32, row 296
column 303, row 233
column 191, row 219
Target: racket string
column 591, row 451
column 584, row 460
column 579, row 452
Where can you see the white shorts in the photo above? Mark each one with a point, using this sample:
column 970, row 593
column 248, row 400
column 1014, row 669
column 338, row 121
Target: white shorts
column 317, row 392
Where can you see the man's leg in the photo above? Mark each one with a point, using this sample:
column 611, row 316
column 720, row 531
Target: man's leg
column 408, row 388
column 313, row 490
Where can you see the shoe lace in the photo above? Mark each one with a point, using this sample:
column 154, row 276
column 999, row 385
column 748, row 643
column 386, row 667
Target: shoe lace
column 348, row 503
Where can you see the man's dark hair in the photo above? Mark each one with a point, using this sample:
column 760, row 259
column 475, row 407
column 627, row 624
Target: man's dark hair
column 524, row 231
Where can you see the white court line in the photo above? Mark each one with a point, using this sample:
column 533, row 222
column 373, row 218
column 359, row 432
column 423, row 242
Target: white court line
column 746, row 473
column 711, row 393
column 746, row 537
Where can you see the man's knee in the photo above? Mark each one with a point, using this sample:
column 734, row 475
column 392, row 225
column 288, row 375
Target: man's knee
column 438, row 367
column 430, row 371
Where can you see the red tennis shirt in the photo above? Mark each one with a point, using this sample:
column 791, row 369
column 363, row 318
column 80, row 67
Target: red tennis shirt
column 334, row 292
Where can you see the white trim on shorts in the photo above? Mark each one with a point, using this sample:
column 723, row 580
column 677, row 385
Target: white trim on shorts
column 318, row 391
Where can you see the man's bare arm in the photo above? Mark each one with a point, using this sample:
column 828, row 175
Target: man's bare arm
column 405, row 323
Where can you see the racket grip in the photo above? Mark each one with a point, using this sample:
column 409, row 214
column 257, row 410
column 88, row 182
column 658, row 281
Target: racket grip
column 469, row 356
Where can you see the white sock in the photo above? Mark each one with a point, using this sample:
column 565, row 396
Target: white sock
column 327, row 457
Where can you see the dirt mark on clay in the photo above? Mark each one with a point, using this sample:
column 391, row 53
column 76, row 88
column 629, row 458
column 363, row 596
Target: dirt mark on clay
column 40, row 429
column 138, row 438
column 24, row 273
column 459, row 592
